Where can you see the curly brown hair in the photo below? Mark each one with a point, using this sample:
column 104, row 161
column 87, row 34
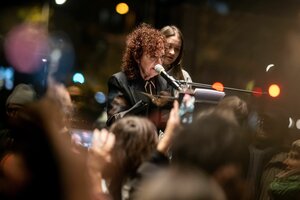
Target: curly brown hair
column 144, row 39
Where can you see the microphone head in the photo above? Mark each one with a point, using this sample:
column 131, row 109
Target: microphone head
column 159, row 68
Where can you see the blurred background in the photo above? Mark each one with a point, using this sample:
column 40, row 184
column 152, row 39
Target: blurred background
column 242, row 44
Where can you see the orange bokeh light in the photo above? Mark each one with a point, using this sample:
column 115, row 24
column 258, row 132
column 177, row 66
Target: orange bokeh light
column 122, row 8
column 274, row 90
column 218, row 86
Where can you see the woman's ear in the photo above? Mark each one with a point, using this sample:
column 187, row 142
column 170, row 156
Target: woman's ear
column 137, row 58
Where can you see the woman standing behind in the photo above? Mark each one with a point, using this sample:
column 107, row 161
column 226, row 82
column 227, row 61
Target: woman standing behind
column 172, row 61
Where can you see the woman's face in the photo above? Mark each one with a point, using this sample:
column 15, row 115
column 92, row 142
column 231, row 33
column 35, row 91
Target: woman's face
column 174, row 43
column 147, row 65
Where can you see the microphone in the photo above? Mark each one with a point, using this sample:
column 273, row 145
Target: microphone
column 170, row 79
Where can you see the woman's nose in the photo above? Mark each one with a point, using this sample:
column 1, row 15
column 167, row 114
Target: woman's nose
column 171, row 51
column 159, row 61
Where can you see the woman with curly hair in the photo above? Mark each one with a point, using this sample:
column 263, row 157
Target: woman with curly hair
column 145, row 48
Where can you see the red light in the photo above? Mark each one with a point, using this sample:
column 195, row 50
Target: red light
column 274, row 90
column 218, row 86
column 257, row 91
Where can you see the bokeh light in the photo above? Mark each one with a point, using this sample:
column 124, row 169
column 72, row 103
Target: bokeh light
column 291, row 123
column 100, row 97
column 6, row 77
column 274, row 90
column 25, row 46
column 298, row 124
column 78, row 78
column 269, row 67
column 250, row 85
column 257, row 91
column 122, row 8
column 60, row 2
column 218, row 86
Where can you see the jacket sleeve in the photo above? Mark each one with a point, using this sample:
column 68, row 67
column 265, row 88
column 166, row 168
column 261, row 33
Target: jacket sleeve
column 118, row 102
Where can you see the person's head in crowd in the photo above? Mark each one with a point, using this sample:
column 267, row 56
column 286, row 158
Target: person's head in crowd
column 21, row 95
column 214, row 142
column 286, row 184
column 135, row 140
column 145, row 48
column 238, row 105
column 293, row 158
column 40, row 163
column 180, row 184
column 173, row 57
column 225, row 113
column 241, row 112
column 271, row 129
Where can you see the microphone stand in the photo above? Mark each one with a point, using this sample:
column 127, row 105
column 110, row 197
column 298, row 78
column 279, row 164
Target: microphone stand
column 208, row 94
column 207, row 86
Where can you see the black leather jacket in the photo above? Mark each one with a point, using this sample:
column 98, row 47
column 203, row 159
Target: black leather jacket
column 124, row 98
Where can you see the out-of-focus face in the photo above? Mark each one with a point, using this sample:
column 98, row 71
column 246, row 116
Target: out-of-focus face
column 174, row 44
column 147, row 65
column 293, row 160
column 15, row 173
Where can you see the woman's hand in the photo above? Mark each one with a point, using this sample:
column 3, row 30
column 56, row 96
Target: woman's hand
column 100, row 151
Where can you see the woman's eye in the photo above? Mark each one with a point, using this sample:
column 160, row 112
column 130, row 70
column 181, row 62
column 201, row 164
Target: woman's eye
column 153, row 58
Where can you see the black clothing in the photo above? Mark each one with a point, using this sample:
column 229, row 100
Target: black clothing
column 259, row 157
column 125, row 98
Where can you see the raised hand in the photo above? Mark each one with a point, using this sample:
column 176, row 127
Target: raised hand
column 100, row 150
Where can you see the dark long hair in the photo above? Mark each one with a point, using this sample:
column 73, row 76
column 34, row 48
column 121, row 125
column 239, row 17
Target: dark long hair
column 176, row 66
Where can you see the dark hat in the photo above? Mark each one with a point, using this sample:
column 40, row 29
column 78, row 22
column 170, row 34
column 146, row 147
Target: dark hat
column 22, row 94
